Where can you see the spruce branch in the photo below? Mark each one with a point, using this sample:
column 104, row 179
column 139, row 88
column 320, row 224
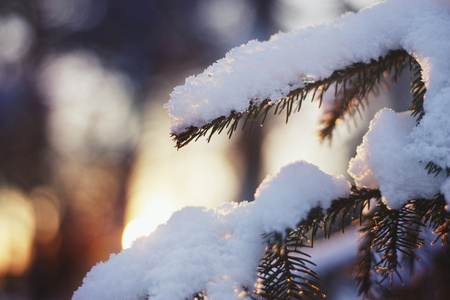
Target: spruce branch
column 352, row 90
column 364, row 271
column 417, row 89
column 390, row 240
column 198, row 296
column 310, row 226
column 435, row 215
column 432, row 211
column 284, row 271
column 351, row 207
column 352, row 85
column 443, row 233
column 388, row 244
column 433, row 168
column 412, row 225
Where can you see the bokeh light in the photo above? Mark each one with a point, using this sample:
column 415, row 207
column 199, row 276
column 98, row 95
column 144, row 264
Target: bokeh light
column 221, row 19
column 90, row 107
column 15, row 38
column 164, row 180
column 74, row 15
column 86, row 161
column 17, row 227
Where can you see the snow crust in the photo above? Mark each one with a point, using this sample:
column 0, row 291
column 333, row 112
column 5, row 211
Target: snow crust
column 220, row 249
column 214, row 249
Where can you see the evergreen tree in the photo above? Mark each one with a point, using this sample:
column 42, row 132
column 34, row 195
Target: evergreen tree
column 394, row 212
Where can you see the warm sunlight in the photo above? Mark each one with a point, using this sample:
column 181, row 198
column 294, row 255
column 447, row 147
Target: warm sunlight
column 137, row 228
column 17, row 228
column 164, row 180
column 146, row 215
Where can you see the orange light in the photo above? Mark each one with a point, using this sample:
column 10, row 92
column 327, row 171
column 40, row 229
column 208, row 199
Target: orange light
column 137, row 228
column 17, row 228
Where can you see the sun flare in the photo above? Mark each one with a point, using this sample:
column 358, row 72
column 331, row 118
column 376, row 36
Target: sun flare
column 136, row 228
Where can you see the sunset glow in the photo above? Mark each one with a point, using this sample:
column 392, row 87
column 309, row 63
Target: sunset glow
column 137, row 228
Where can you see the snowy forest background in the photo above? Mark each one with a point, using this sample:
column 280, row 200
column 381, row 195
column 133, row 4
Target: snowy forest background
column 84, row 144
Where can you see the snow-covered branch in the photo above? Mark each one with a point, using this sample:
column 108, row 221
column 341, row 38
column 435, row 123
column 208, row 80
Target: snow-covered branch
column 219, row 250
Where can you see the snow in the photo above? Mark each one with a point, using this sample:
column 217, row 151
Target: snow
column 296, row 179
column 219, row 249
column 445, row 190
column 269, row 70
column 214, row 249
column 382, row 163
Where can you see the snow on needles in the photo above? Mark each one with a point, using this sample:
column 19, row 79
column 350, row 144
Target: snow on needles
column 381, row 162
column 214, row 249
column 269, row 70
column 219, row 250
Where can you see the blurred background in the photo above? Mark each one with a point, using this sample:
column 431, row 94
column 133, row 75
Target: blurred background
column 86, row 160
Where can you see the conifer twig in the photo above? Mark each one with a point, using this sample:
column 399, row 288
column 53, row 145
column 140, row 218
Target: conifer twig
column 352, row 85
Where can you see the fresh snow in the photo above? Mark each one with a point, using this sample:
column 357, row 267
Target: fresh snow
column 219, row 250
column 381, row 162
column 269, row 70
